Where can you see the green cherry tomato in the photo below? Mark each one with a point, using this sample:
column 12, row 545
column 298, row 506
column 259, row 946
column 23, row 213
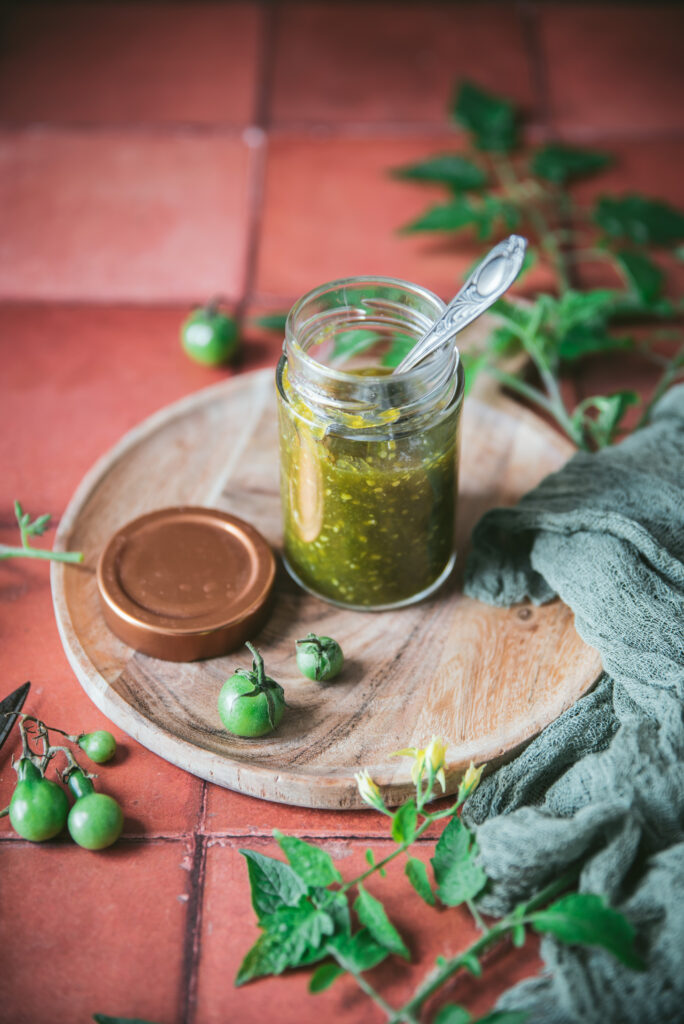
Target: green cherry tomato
column 38, row 808
column 251, row 703
column 100, row 746
column 96, row 820
column 209, row 336
column 319, row 657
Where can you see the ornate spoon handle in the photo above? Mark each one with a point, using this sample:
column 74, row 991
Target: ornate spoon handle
column 490, row 279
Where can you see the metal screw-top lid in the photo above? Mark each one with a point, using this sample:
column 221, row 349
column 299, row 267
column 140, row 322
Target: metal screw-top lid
column 186, row 583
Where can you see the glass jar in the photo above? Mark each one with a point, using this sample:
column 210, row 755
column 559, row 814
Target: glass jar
column 368, row 460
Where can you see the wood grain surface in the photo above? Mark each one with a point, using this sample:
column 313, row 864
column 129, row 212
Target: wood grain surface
column 486, row 679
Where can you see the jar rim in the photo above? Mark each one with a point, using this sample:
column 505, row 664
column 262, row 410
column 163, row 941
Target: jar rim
column 331, row 372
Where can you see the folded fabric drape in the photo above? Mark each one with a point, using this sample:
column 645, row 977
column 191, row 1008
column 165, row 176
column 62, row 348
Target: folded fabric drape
column 603, row 786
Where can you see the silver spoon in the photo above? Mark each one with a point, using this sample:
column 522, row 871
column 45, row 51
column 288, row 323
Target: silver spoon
column 487, row 283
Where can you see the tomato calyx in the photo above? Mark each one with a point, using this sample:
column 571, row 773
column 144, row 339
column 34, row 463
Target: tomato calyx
column 79, row 782
column 261, row 683
column 27, row 771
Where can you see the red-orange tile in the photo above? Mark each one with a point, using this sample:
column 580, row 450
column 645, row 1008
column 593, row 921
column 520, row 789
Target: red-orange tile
column 118, row 216
column 332, row 210
column 89, row 932
column 229, row 813
column 130, row 63
column 652, row 166
column 75, row 378
column 229, row 928
column 375, row 62
column 613, row 68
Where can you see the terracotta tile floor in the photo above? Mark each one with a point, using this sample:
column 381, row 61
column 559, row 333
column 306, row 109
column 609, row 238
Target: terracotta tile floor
column 150, row 156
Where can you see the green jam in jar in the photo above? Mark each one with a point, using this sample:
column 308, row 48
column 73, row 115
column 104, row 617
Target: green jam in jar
column 369, row 465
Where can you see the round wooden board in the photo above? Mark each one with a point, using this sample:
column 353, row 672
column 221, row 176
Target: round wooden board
column 487, row 679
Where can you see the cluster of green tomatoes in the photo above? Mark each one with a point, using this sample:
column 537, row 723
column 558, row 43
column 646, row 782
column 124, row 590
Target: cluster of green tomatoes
column 39, row 808
column 252, row 704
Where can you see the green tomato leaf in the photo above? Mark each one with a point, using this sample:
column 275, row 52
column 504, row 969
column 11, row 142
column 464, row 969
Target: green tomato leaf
column 300, row 930
column 452, row 216
column 352, row 343
column 590, row 307
column 644, row 221
column 404, row 822
column 459, row 173
column 416, row 872
column 292, row 937
column 457, row 874
column 273, row 883
column 324, row 976
column 600, row 416
column 370, row 857
column 359, row 952
column 272, row 321
column 452, row 1014
column 491, row 119
column 267, row 956
column 503, row 342
column 313, row 865
column 335, row 904
column 644, row 276
column 372, row 914
column 485, row 216
column 584, row 340
column 582, row 918
column 559, row 163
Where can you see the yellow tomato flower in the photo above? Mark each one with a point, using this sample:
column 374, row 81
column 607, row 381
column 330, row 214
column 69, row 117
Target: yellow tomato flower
column 470, row 780
column 369, row 790
column 432, row 757
column 435, row 756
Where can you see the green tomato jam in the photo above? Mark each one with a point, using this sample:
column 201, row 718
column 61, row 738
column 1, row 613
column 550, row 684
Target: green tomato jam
column 368, row 513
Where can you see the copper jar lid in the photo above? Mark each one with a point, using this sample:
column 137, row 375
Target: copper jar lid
column 186, row 583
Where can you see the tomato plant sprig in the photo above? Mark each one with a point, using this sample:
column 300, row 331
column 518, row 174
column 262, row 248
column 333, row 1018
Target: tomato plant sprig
column 35, row 528
column 495, row 186
column 39, row 808
column 303, row 906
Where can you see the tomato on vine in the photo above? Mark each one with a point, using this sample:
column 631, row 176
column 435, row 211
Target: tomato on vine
column 38, row 808
column 96, row 820
column 100, row 746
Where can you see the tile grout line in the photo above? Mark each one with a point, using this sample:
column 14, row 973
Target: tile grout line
column 329, row 130
column 193, row 925
column 257, row 136
column 529, row 17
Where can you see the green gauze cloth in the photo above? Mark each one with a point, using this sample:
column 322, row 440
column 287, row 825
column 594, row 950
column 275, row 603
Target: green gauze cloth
column 603, row 786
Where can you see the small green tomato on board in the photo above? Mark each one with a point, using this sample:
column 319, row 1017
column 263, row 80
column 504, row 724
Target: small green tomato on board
column 100, row 746
column 319, row 657
column 250, row 702
column 210, row 336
